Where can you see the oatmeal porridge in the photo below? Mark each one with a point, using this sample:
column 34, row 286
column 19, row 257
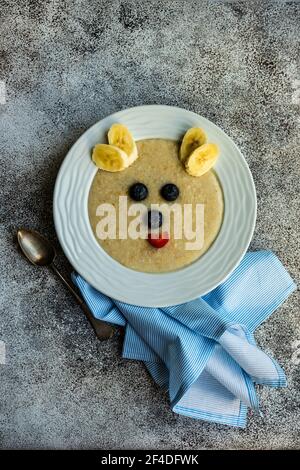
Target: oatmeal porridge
column 157, row 165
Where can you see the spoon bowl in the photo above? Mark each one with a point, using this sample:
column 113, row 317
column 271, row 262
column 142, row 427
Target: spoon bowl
column 35, row 247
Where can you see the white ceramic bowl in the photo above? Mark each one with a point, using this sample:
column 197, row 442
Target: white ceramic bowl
column 153, row 290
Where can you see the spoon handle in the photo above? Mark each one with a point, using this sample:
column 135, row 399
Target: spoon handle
column 102, row 329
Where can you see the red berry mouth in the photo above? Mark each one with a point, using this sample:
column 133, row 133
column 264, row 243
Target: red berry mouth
column 158, row 240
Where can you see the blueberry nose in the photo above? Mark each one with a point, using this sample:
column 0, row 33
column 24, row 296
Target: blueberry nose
column 155, row 219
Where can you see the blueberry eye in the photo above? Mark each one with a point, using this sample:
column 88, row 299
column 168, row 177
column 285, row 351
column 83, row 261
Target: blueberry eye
column 138, row 192
column 169, row 192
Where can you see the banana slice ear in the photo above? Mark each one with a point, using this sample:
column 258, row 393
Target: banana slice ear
column 202, row 159
column 119, row 153
column 120, row 136
column 193, row 138
column 196, row 155
column 109, row 158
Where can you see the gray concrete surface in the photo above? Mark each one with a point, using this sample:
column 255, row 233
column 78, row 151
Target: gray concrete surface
column 66, row 65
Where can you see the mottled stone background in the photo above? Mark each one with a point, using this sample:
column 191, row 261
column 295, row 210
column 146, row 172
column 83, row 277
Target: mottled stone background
column 66, row 65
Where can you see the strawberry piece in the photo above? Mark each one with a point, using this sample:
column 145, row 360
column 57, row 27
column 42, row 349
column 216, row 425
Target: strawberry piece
column 158, row 240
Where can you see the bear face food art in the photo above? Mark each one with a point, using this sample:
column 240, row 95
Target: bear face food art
column 157, row 174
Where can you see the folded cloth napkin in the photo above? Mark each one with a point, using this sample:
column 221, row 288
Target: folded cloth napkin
column 204, row 351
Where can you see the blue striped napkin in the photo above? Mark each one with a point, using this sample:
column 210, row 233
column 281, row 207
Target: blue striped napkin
column 204, row 351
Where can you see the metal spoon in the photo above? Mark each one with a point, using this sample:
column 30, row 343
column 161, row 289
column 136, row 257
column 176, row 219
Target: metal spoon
column 40, row 252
